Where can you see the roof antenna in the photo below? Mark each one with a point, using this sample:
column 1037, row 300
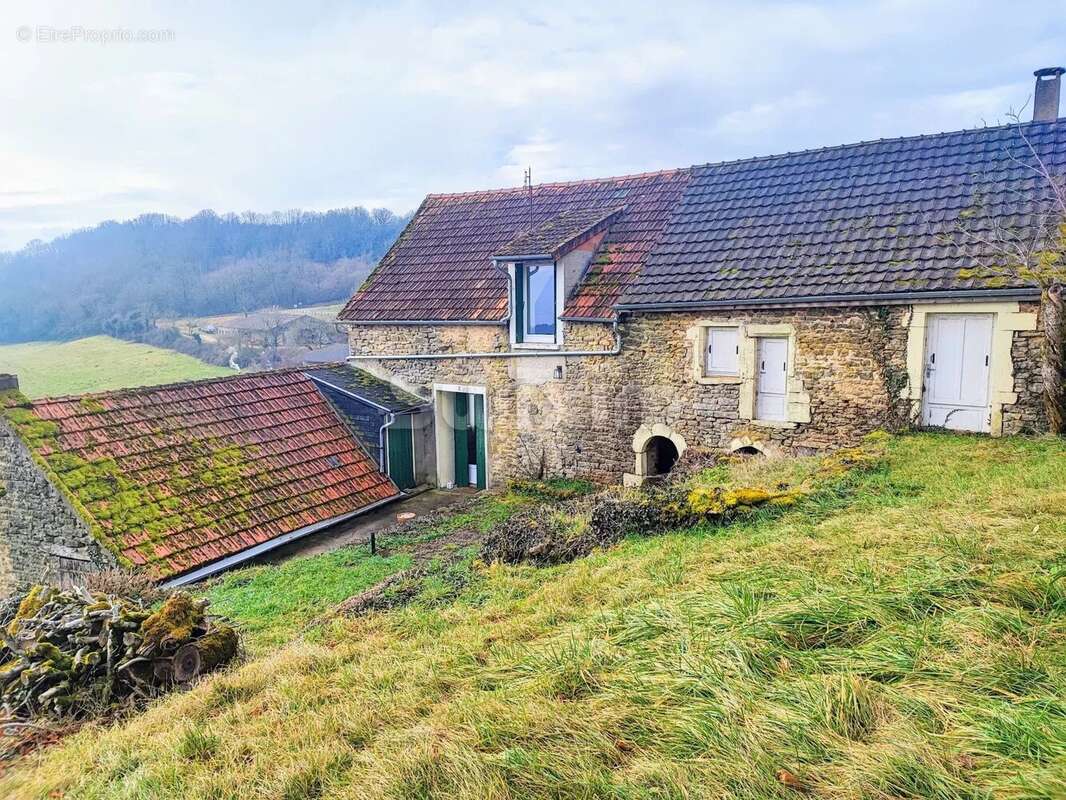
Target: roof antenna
column 528, row 183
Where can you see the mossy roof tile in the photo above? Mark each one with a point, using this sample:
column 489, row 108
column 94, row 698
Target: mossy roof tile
column 174, row 477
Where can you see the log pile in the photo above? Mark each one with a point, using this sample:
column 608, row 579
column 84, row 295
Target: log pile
column 76, row 653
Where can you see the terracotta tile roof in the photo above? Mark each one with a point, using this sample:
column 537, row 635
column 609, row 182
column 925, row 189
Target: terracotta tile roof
column 870, row 218
column 557, row 236
column 174, row 477
column 440, row 267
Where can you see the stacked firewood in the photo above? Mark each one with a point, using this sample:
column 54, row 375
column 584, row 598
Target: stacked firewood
column 77, row 653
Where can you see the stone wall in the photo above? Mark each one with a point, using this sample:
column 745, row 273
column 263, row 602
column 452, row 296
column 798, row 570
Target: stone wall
column 1027, row 415
column 41, row 537
column 584, row 423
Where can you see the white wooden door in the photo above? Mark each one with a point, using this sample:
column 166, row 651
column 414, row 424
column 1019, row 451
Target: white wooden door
column 958, row 352
column 771, row 378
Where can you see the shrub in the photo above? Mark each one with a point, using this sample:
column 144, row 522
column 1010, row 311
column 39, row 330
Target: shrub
column 558, row 533
column 126, row 583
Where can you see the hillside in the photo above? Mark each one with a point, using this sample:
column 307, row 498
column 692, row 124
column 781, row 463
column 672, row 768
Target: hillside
column 899, row 633
column 119, row 277
column 98, row 363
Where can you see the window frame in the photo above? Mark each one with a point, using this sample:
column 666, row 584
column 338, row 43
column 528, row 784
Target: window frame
column 522, row 334
column 699, row 335
column 708, row 338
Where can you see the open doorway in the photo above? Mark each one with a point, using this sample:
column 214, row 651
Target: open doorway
column 462, row 437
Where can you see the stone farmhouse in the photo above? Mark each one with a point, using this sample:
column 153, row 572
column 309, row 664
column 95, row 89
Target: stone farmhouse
column 597, row 328
column 603, row 328
column 276, row 329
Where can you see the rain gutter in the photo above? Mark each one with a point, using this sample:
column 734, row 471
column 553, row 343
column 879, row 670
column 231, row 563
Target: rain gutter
column 496, row 265
column 245, row 555
column 499, row 353
column 836, row 299
column 348, row 323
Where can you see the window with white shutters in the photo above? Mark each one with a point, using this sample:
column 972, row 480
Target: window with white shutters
column 723, row 349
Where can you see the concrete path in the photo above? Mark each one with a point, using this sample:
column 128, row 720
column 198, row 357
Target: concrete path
column 357, row 530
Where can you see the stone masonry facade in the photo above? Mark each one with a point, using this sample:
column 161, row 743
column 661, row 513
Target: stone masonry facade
column 849, row 372
column 41, row 536
column 1027, row 415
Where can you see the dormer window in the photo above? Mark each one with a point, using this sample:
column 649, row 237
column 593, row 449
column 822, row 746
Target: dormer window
column 536, row 302
column 543, row 263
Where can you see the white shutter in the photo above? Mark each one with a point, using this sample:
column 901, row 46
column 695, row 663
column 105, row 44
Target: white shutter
column 722, row 347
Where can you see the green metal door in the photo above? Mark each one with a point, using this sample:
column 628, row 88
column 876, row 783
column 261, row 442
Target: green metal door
column 402, row 453
column 460, row 428
column 479, row 430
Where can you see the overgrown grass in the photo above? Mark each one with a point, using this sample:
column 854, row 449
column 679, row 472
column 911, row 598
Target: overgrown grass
column 96, row 364
column 904, row 637
column 273, row 603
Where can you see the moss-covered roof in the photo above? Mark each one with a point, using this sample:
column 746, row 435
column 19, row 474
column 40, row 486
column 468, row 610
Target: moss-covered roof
column 174, row 477
column 362, row 384
column 556, row 236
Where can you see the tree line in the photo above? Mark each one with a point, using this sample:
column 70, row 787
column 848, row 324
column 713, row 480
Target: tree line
column 120, row 277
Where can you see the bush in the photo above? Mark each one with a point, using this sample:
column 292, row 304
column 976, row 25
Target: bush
column 126, row 583
column 558, row 533
column 545, row 534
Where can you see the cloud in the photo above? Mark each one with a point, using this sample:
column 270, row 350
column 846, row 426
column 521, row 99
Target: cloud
column 273, row 105
column 761, row 117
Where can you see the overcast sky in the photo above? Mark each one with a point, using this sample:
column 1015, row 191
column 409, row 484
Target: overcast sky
column 274, row 105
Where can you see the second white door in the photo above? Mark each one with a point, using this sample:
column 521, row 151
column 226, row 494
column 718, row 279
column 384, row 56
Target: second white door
column 771, row 387
column 958, row 351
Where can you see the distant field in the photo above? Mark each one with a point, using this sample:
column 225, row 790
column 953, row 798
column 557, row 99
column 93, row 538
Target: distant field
column 327, row 312
column 96, row 364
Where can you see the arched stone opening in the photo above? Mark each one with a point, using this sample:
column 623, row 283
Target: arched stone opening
column 744, row 445
column 660, row 455
column 657, row 448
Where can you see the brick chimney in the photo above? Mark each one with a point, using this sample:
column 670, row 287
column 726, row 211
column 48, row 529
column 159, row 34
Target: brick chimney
column 8, row 382
column 1046, row 98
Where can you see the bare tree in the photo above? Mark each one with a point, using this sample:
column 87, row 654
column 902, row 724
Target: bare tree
column 313, row 337
column 275, row 324
column 1025, row 248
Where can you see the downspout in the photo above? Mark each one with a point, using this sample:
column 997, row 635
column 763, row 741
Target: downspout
column 510, row 291
column 390, row 418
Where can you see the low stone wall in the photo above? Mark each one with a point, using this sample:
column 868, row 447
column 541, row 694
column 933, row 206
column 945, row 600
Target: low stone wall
column 41, row 537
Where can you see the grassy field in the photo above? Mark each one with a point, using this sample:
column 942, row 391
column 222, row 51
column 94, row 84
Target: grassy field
column 50, row 369
column 899, row 635
column 327, row 312
column 273, row 603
